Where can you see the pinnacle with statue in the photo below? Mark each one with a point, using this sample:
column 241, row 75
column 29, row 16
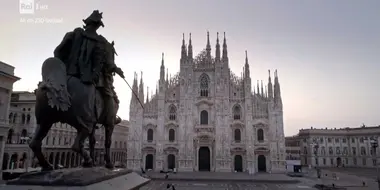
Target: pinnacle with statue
column 77, row 89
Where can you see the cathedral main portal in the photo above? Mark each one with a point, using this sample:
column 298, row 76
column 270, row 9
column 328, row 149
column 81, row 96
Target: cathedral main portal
column 204, row 157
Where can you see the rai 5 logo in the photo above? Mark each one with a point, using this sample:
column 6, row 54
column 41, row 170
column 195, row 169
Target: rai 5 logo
column 26, row 6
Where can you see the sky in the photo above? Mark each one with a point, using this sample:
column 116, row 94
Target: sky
column 327, row 53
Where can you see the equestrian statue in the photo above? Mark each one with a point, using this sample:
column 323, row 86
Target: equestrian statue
column 77, row 89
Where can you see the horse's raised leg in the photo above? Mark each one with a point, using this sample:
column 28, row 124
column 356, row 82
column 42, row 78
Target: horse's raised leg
column 36, row 143
column 107, row 145
column 78, row 147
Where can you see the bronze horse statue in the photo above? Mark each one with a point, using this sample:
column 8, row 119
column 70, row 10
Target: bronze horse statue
column 65, row 99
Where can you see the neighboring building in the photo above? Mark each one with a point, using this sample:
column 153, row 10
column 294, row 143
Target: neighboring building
column 348, row 147
column 206, row 118
column 293, row 148
column 7, row 79
column 57, row 144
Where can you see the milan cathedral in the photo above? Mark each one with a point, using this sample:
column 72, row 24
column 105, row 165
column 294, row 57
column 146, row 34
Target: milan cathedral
column 206, row 118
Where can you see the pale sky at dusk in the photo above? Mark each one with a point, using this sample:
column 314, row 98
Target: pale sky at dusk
column 327, row 53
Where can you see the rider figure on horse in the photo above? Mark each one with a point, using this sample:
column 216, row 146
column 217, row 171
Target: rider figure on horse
column 84, row 52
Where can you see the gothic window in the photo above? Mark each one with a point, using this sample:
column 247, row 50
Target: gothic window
column 14, row 118
column 28, row 119
column 362, row 151
column 331, row 152
column 260, row 135
column 10, row 117
column 23, row 118
column 171, row 135
column 172, row 113
column 237, row 135
column 237, row 112
column 204, row 85
column 204, row 117
column 24, row 133
column 10, row 136
column 353, row 151
column 150, row 135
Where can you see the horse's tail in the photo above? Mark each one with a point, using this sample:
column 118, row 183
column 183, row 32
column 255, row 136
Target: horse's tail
column 54, row 83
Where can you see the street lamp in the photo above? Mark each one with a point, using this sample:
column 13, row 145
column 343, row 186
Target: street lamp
column 315, row 146
column 374, row 144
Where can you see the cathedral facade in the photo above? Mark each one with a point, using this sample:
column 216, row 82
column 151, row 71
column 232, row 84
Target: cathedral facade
column 205, row 118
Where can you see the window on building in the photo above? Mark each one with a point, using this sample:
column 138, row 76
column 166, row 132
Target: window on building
column 237, row 135
column 171, row 135
column 260, row 135
column 329, row 140
column 324, row 161
column 363, row 151
column 237, row 112
column 346, row 159
column 172, row 113
column 345, row 150
column 353, row 140
column 364, row 161
column 10, row 117
column 374, row 162
column 204, row 117
column 150, row 135
column 355, row 162
column 23, row 118
column 331, row 151
column 344, row 140
column 353, row 151
column 337, row 140
column 28, row 118
column 331, row 161
column 204, row 85
column 323, row 150
column 321, row 140
column 361, row 140
column 337, row 150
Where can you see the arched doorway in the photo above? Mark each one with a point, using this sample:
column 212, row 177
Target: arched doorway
column 171, row 161
column 149, row 162
column 338, row 162
column 204, row 159
column 238, row 162
column 261, row 163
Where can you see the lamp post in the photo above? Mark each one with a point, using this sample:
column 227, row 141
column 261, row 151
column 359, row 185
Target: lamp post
column 315, row 146
column 374, row 144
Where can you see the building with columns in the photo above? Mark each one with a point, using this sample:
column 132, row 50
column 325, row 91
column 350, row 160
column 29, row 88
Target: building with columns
column 7, row 78
column 348, row 147
column 57, row 144
column 205, row 118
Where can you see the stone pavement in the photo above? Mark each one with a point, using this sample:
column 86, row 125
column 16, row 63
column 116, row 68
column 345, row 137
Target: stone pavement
column 343, row 180
column 224, row 176
column 203, row 185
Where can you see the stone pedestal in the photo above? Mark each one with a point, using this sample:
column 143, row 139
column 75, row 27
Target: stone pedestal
column 78, row 179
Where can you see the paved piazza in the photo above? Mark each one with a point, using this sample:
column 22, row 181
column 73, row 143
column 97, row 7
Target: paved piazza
column 193, row 185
